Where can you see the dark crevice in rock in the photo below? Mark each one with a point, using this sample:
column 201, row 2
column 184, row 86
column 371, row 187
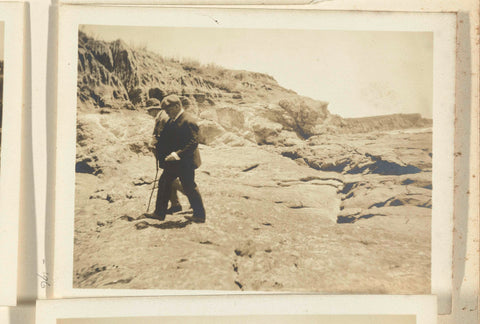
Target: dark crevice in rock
column 311, row 178
column 297, row 207
column 251, row 168
column 372, row 164
column 291, row 154
column 350, row 219
column 367, row 216
column 346, row 219
column 384, row 167
column 407, row 181
column 348, row 187
column 120, row 281
column 381, row 204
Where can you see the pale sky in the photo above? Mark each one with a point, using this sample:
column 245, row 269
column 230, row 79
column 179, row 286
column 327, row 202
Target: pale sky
column 360, row 73
column 257, row 319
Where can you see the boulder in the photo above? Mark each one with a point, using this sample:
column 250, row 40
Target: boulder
column 209, row 131
column 231, row 140
column 209, row 114
column 189, row 105
column 231, row 118
column 266, row 131
column 304, row 114
column 288, row 138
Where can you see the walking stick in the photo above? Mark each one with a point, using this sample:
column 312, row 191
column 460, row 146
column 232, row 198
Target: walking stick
column 153, row 187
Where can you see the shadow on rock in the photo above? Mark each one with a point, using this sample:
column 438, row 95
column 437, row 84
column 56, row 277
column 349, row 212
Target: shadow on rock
column 354, row 218
column 166, row 225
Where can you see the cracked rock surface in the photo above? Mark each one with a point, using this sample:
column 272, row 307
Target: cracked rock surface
column 273, row 224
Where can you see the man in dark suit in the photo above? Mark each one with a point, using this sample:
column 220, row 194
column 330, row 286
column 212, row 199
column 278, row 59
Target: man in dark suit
column 160, row 121
column 179, row 145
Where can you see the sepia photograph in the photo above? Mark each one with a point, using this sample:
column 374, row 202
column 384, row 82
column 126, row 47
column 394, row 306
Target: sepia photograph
column 253, row 159
column 277, row 319
column 11, row 105
column 240, row 309
column 292, row 192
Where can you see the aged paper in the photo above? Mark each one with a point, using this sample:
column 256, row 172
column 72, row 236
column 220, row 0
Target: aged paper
column 440, row 26
column 238, row 309
column 12, row 20
column 186, row 2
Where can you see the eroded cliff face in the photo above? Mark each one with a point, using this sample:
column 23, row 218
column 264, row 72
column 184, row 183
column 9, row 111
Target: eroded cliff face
column 138, row 75
column 112, row 75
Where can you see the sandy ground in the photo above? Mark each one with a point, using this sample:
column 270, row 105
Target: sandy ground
column 271, row 226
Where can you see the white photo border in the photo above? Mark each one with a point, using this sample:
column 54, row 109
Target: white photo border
column 423, row 307
column 443, row 26
column 12, row 14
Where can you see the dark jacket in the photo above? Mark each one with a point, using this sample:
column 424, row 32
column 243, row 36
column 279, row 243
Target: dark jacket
column 180, row 136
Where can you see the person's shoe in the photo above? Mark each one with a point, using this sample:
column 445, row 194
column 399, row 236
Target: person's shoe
column 174, row 209
column 154, row 215
column 196, row 219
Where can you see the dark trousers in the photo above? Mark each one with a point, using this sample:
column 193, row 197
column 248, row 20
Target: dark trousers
column 176, row 186
column 187, row 179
